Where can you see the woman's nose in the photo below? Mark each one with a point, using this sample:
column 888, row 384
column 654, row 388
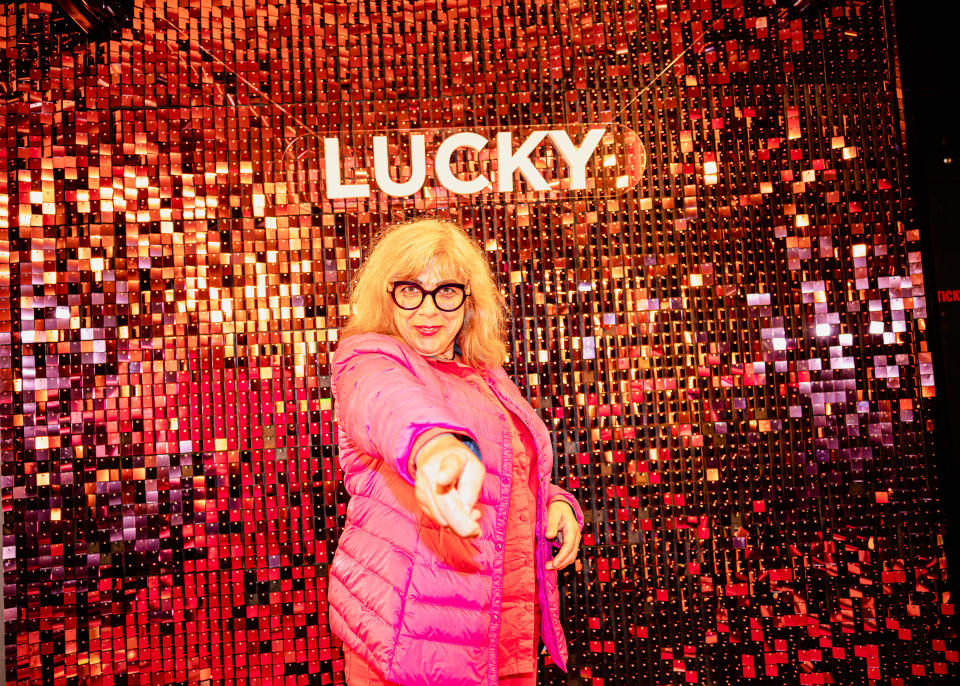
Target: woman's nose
column 428, row 306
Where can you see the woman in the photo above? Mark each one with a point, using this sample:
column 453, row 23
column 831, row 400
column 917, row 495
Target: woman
column 445, row 563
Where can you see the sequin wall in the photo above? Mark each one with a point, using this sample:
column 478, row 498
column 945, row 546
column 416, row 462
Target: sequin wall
column 729, row 348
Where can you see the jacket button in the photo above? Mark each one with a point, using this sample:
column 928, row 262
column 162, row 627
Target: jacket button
column 499, row 546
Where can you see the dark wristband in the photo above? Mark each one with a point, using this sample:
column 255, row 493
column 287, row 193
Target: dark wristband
column 470, row 443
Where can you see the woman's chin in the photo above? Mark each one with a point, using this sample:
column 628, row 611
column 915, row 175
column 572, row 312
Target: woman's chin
column 435, row 345
column 431, row 352
column 428, row 350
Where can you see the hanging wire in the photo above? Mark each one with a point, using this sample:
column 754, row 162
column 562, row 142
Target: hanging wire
column 245, row 81
column 679, row 57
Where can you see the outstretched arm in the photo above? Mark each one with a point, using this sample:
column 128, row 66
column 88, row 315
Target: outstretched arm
column 382, row 404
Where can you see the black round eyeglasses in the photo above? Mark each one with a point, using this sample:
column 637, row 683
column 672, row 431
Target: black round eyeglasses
column 409, row 295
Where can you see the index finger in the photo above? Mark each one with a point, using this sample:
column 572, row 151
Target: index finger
column 565, row 555
column 457, row 516
column 471, row 482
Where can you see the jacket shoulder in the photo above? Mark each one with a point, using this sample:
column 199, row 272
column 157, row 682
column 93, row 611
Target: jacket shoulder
column 372, row 343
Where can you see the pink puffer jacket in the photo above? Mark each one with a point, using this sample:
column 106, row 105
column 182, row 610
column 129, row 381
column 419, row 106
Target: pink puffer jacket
column 420, row 604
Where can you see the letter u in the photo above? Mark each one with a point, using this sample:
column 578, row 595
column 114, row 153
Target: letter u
column 418, row 166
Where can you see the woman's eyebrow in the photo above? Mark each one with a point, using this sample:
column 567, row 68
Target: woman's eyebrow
column 444, row 282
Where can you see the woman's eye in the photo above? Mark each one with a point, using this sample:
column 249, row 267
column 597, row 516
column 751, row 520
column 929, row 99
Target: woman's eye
column 447, row 291
column 409, row 290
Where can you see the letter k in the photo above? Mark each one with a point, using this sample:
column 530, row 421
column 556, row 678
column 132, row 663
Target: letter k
column 509, row 162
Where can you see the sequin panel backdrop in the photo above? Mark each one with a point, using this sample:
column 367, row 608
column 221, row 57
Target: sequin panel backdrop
column 731, row 353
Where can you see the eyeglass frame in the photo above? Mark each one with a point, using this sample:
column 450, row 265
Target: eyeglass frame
column 424, row 293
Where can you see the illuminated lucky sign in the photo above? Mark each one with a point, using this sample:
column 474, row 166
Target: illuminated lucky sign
column 542, row 162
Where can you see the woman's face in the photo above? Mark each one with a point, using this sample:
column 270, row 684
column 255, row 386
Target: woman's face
column 428, row 330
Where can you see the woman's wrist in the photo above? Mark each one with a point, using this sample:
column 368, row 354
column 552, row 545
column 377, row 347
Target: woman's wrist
column 428, row 442
column 435, row 438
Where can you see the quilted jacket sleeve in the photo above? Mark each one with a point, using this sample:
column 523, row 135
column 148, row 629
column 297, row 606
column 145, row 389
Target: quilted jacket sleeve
column 381, row 402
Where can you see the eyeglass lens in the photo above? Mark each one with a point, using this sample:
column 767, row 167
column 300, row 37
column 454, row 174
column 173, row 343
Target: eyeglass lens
column 447, row 297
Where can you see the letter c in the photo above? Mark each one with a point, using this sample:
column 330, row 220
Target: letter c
column 447, row 179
